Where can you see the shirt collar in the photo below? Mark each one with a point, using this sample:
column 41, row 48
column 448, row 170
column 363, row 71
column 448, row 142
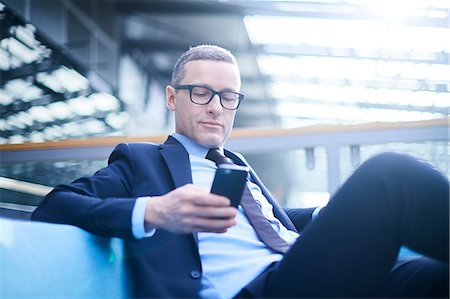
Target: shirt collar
column 191, row 146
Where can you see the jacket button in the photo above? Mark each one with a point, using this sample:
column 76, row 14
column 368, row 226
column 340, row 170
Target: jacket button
column 195, row 274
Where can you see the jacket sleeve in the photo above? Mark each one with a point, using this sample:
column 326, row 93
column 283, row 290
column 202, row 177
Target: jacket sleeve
column 300, row 217
column 101, row 204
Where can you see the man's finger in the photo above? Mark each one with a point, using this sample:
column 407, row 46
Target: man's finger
column 210, row 199
column 216, row 212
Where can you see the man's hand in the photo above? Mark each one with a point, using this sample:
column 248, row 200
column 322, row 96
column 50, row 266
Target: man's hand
column 189, row 209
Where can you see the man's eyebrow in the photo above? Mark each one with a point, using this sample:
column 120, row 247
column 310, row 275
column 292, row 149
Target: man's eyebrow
column 229, row 89
column 208, row 86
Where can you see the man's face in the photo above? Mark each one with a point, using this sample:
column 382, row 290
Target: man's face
column 211, row 124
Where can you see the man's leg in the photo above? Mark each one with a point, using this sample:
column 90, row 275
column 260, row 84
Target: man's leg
column 418, row 277
column 350, row 249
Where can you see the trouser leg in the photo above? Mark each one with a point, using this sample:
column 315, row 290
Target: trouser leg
column 418, row 277
column 350, row 249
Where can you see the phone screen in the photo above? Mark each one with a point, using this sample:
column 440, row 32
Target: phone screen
column 230, row 181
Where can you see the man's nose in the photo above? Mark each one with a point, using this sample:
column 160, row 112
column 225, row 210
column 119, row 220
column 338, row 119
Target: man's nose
column 214, row 106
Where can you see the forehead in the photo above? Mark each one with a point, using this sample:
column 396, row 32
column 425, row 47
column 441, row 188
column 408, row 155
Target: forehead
column 212, row 72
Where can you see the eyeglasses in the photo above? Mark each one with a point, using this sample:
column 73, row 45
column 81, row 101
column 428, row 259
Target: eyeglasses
column 202, row 95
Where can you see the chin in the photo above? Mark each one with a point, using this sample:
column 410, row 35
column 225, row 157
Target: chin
column 211, row 142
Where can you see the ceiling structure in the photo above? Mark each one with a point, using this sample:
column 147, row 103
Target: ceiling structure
column 307, row 62
column 302, row 62
column 44, row 93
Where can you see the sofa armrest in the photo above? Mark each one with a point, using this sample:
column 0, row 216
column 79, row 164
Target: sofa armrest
column 58, row 261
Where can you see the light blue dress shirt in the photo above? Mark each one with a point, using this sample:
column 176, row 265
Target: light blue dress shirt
column 229, row 260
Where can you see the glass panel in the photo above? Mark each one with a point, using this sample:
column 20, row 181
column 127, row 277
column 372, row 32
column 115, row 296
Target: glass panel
column 297, row 178
column 48, row 173
column 434, row 152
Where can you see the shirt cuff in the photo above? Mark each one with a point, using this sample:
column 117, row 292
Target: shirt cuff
column 317, row 211
column 137, row 219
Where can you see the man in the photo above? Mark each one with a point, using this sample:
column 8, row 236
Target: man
column 184, row 241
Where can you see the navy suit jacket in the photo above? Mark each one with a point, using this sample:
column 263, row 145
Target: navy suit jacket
column 167, row 264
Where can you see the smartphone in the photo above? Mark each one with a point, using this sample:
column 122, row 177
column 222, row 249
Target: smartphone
column 230, row 181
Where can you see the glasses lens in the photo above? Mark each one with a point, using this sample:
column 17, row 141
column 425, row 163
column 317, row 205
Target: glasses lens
column 200, row 95
column 230, row 100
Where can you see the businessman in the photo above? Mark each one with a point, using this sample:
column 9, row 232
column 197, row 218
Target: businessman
column 184, row 242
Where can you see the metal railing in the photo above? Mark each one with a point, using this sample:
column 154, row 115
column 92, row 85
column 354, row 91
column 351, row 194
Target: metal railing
column 250, row 141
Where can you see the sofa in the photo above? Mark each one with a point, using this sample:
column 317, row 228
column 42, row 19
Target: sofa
column 42, row 260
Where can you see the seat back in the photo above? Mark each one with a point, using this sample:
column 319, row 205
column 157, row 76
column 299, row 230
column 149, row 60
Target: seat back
column 42, row 260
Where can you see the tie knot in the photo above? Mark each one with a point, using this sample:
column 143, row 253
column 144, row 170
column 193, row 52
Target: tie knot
column 215, row 155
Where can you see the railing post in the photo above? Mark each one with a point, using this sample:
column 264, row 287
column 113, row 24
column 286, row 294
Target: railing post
column 334, row 170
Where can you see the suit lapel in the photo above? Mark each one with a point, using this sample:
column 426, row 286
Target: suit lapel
column 177, row 160
column 277, row 209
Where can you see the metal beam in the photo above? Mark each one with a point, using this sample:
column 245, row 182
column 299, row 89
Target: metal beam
column 28, row 70
column 177, row 7
column 303, row 9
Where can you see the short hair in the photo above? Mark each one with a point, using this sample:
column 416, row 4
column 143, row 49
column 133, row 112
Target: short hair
column 201, row 52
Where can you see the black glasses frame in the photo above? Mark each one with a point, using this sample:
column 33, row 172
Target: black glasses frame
column 240, row 96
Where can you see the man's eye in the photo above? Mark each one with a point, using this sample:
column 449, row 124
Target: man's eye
column 200, row 94
column 228, row 97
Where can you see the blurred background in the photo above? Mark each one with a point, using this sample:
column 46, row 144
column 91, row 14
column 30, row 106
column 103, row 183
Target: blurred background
column 80, row 69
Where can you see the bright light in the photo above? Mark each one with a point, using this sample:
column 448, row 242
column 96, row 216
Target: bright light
column 104, row 101
column 15, row 88
column 19, row 50
column 405, row 4
column 53, row 132
column 31, row 93
column 349, row 114
column 4, row 59
column 423, row 98
column 81, row 106
column 402, row 8
column 71, row 129
column 351, row 68
column 70, row 79
column 60, row 110
column 117, row 120
column 351, row 34
column 26, row 118
column 443, row 100
column 3, row 125
column 94, row 126
column 49, row 81
column 37, row 137
column 63, row 79
column 16, row 139
column 41, row 114
column 301, row 198
column 286, row 92
column 26, row 35
column 5, row 98
column 14, row 121
column 439, row 72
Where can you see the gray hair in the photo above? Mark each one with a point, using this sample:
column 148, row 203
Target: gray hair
column 201, row 52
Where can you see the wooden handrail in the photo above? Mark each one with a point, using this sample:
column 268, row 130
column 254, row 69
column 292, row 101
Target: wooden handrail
column 236, row 134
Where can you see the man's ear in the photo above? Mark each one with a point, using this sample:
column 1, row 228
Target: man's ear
column 170, row 98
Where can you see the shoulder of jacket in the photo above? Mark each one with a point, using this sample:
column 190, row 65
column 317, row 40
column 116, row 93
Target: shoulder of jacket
column 135, row 147
column 142, row 145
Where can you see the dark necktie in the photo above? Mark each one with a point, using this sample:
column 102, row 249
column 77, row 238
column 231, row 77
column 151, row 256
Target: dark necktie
column 259, row 222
